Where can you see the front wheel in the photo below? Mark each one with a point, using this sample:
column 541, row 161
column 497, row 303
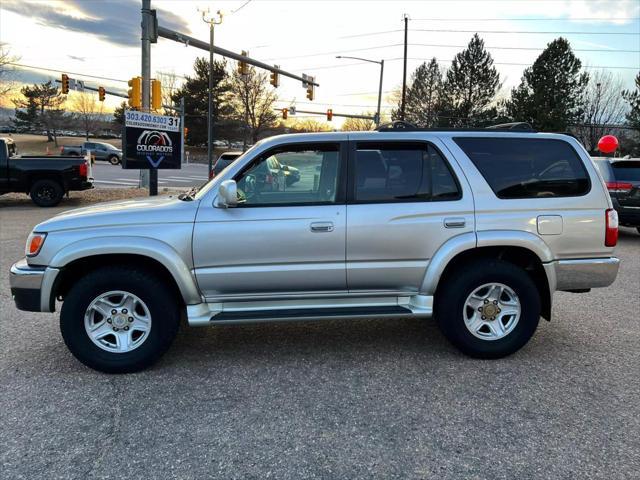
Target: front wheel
column 489, row 309
column 113, row 160
column 119, row 319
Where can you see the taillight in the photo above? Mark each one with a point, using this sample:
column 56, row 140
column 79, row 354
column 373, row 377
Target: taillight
column 84, row 169
column 61, row 150
column 211, row 174
column 611, row 232
column 619, row 187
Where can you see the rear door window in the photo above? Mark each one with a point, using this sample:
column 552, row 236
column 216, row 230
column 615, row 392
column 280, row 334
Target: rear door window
column 527, row 167
column 402, row 172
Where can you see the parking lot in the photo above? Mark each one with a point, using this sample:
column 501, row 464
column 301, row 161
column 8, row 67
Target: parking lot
column 335, row 400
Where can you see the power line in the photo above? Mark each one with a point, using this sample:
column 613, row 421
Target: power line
column 539, row 49
column 371, row 33
column 540, row 19
column 336, row 52
column 446, row 30
column 241, row 6
column 64, row 71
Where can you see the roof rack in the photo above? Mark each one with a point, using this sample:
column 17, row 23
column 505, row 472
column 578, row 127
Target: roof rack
column 402, row 126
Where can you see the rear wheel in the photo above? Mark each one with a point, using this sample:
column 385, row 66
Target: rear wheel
column 489, row 309
column 113, row 160
column 119, row 319
column 46, row 193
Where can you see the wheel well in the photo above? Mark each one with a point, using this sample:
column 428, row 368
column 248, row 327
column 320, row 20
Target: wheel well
column 56, row 178
column 75, row 270
column 519, row 256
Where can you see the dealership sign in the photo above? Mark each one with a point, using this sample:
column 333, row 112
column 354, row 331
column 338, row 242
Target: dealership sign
column 151, row 141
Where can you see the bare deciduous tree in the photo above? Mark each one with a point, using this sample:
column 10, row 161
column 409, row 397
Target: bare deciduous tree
column 169, row 81
column 7, row 83
column 88, row 110
column 603, row 106
column 358, row 124
column 253, row 100
column 310, row 125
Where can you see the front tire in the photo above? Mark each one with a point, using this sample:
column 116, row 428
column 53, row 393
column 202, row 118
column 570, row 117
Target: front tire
column 119, row 319
column 46, row 193
column 488, row 309
column 113, row 160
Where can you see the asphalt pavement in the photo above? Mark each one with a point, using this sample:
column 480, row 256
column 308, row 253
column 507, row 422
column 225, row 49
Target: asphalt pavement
column 114, row 176
column 336, row 400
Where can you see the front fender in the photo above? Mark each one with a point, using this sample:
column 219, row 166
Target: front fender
column 143, row 246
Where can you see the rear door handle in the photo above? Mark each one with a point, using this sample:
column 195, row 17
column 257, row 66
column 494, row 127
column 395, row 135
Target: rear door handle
column 322, row 227
column 454, row 222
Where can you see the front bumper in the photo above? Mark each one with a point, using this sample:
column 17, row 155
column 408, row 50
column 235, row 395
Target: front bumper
column 31, row 286
column 585, row 273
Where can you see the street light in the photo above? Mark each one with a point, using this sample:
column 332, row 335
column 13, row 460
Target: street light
column 381, row 63
column 212, row 21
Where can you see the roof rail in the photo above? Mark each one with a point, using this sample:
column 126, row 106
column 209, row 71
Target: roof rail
column 519, row 126
column 402, row 126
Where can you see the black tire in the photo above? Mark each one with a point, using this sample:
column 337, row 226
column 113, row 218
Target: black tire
column 113, row 160
column 159, row 298
column 46, row 193
column 452, row 295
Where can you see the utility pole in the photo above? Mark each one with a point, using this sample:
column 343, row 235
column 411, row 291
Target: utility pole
column 212, row 21
column 404, row 71
column 148, row 178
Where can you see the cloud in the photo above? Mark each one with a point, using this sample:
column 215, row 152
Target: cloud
column 116, row 21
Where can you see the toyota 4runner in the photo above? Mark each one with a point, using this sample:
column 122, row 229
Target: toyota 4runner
column 475, row 228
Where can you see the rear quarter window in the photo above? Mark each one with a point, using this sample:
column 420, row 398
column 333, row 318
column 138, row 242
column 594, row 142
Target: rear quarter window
column 527, row 167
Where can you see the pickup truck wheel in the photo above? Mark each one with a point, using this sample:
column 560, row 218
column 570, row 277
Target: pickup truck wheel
column 113, row 160
column 490, row 309
column 119, row 319
column 46, row 193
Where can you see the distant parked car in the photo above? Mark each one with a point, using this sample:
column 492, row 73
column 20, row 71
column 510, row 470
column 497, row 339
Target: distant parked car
column 623, row 182
column 224, row 160
column 220, row 143
column 99, row 150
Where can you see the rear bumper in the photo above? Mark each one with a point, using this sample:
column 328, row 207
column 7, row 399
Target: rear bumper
column 584, row 273
column 31, row 286
column 83, row 185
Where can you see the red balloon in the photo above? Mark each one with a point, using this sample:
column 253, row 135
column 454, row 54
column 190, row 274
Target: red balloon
column 608, row 144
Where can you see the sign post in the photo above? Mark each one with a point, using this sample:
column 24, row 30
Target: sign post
column 151, row 141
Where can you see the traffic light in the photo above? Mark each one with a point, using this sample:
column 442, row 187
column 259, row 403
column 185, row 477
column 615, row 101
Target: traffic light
column 65, row 83
column 135, row 92
column 156, row 94
column 275, row 78
column 101, row 93
column 243, row 67
column 285, row 113
column 329, row 115
column 310, row 88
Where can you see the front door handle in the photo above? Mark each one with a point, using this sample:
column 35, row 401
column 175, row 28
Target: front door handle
column 322, row 227
column 454, row 222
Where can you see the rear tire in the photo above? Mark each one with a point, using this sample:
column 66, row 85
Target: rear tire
column 46, row 193
column 113, row 160
column 476, row 308
column 103, row 291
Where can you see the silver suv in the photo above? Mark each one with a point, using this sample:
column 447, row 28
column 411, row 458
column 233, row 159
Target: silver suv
column 475, row 228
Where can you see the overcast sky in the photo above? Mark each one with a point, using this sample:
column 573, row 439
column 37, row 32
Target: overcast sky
column 101, row 38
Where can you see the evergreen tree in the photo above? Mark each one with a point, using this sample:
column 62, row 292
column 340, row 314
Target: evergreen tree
column 470, row 86
column 633, row 97
column 423, row 97
column 195, row 91
column 41, row 107
column 118, row 115
column 551, row 94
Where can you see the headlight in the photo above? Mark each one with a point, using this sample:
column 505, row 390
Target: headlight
column 34, row 244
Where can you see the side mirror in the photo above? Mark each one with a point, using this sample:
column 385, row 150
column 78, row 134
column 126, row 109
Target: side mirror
column 227, row 194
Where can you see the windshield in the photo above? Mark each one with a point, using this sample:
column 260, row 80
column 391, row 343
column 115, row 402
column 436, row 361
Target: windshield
column 108, row 146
